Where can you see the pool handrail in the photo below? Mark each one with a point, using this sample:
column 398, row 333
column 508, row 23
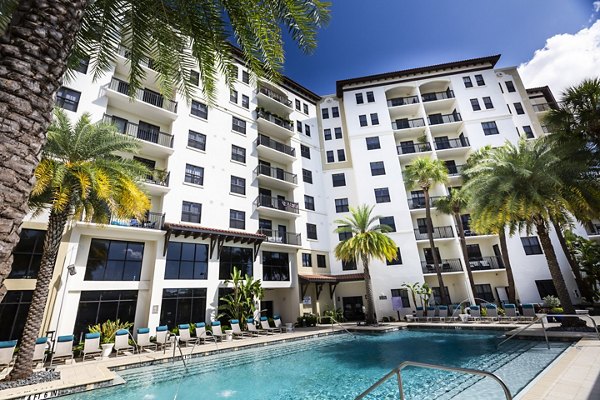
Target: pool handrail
column 341, row 326
column 398, row 372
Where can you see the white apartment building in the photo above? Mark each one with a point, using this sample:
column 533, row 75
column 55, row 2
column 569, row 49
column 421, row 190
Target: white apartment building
column 258, row 180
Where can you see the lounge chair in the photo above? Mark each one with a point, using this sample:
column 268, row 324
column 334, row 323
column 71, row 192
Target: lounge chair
column 254, row 330
column 442, row 314
column 430, row 314
column 528, row 313
column 91, row 345
column 217, row 332
column 278, row 324
column 39, row 351
column 264, row 323
column 185, row 336
column 63, row 348
column 237, row 331
column 163, row 336
column 453, row 312
column 202, row 334
column 510, row 313
column 143, row 340
column 7, row 349
column 122, row 342
column 491, row 312
column 418, row 314
column 474, row 313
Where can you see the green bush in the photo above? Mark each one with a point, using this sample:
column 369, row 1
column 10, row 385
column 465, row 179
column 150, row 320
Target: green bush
column 551, row 301
column 556, row 310
column 308, row 319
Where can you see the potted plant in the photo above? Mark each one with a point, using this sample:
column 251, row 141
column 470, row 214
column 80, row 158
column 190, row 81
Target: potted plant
column 107, row 331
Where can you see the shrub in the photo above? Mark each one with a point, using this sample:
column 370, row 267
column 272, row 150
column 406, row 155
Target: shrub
column 551, row 301
column 308, row 319
column 108, row 329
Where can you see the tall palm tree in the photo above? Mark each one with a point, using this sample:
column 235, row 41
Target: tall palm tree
column 424, row 172
column 369, row 240
column 40, row 39
column 79, row 176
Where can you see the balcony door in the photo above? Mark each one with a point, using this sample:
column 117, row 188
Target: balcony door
column 148, row 132
column 148, row 163
column 474, row 252
column 282, row 233
column 152, row 97
column 442, row 142
column 429, row 255
column 408, row 147
column 418, row 199
column 451, row 167
column 120, row 123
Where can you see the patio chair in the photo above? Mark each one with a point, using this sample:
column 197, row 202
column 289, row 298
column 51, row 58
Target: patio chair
column 264, row 323
column 278, row 323
column 7, row 349
column 430, row 314
column 453, row 312
column 63, row 348
column 419, row 313
column 237, row 331
column 442, row 314
column 122, row 342
column 185, row 336
column 510, row 313
column 163, row 336
column 528, row 313
column 202, row 334
column 39, row 351
column 254, row 330
column 474, row 313
column 491, row 312
column 217, row 332
column 143, row 340
column 91, row 345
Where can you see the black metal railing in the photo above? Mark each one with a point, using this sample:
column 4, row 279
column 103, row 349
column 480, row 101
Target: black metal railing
column 274, row 236
column 277, row 173
column 485, row 263
column 408, row 123
column 263, row 140
column 402, row 101
column 442, row 144
column 444, row 118
column 145, row 61
column 147, row 135
column 446, row 265
column 469, row 231
column 414, row 203
column 158, row 177
column 410, row 148
column 541, row 107
column 275, row 119
column 145, row 95
column 455, row 170
column 152, row 220
column 275, row 96
column 277, row 203
column 593, row 229
column 439, row 232
column 433, row 96
column 276, row 273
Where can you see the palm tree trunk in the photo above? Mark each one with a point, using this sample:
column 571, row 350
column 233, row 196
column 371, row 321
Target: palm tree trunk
column 463, row 246
column 554, row 267
column 370, row 314
column 512, row 292
column 33, row 59
column 436, row 261
column 24, row 363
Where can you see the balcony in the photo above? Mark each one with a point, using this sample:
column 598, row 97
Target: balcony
column 273, row 124
column 448, row 265
column 413, row 148
column 444, row 118
column 157, row 182
column 541, row 107
column 403, row 101
column 153, row 220
column 276, row 273
column 439, row 232
column 273, row 100
column 150, row 102
column 416, row 203
column 486, row 263
column 158, row 143
column 276, row 207
column 448, row 94
column 274, row 150
column 275, row 177
column 447, row 144
column 408, row 123
column 276, row 237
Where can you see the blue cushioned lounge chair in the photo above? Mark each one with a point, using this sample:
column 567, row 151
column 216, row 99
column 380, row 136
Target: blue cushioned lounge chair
column 91, row 345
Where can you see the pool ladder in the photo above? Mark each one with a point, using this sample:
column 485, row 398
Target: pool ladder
column 398, row 372
column 341, row 326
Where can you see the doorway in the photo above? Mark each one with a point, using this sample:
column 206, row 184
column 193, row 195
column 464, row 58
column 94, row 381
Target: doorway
column 353, row 308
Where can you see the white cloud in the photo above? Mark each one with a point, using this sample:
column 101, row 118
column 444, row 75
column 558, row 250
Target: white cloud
column 596, row 6
column 565, row 60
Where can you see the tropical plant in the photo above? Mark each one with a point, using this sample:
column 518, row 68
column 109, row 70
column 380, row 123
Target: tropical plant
column 425, row 292
column 414, row 289
column 369, row 240
column 551, row 301
column 240, row 303
column 334, row 314
column 108, row 329
column 78, row 177
column 587, row 257
column 39, row 40
column 424, row 173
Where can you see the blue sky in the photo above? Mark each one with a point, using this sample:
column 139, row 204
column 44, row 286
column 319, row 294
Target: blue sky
column 373, row 36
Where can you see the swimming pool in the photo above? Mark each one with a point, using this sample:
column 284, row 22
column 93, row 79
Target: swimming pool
column 339, row 367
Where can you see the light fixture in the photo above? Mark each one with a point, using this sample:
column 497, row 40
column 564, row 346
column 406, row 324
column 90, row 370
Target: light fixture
column 71, row 269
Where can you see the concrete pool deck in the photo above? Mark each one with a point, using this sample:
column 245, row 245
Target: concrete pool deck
column 575, row 375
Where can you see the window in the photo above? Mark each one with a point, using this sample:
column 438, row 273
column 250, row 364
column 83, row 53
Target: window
column 327, row 134
column 528, row 132
column 545, row 288
column 98, row 306
column 377, row 168
column 479, row 80
column 484, row 291
column 437, row 295
column 341, row 155
column 510, row 86
column 187, row 261
column 338, row 132
column 341, row 205
column 345, row 235
column 67, row 98
column 370, row 97
column 194, row 77
column 233, row 96
column 349, row 265
column 335, row 112
column 321, row 261
column 297, row 104
column 467, row 81
column 389, row 221
column 82, row 65
column 245, row 76
column 330, row 157
column 487, row 101
column 474, row 252
column 237, row 219
column 374, row 119
column 489, row 128
column 382, row 195
column 397, row 260
column 276, row 266
column 299, row 126
column 238, row 185
column 325, row 113
column 181, row 306
column 305, row 151
column 27, row 254
column 238, row 154
column 238, row 125
column 309, row 202
column 191, row 212
column 403, row 295
column 311, row 231
column 373, row 143
column 338, row 179
column 306, row 260
column 359, row 98
column 307, row 176
column 306, row 129
column 362, row 119
column 241, row 258
column 500, row 86
column 199, row 109
column 194, row 174
column 114, row 260
column 196, row 140
column 305, row 108
column 13, row 313
column 236, row 71
column 245, row 101
column 531, row 245
column 475, row 105
column 519, row 108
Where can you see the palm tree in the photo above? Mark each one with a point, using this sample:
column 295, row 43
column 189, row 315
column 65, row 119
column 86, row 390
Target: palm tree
column 369, row 240
column 39, row 40
column 240, row 303
column 79, row 177
column 425, row 172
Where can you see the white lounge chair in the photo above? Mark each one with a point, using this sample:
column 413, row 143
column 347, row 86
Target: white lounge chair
column 442, row 314
column 122, row 342
column 217, row 332
column 202, row 334
column 63, row 348
column 143, row 340
column 254, row 330
column 237, row 331
column 491, row 312
column 39, row 351
column 474, row 313
column 510, row 314
column 185, row 336
column 7, row 349
column 279, row 324
column 163, row 336
column 264, row 323
column 419, row 313
column 91, row 345
column 528, row 313
column 430, row 314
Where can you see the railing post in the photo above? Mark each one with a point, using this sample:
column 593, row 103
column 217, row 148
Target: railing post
column 545, row 334
column 400, row 387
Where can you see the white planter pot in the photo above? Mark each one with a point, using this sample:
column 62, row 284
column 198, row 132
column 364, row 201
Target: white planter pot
column 107, row 349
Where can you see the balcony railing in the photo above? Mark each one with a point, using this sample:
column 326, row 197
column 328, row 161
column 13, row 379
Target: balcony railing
column 593, row 229
column 485, row 263
column 263, row 140
column 153, row 220
column 448, row 265
column 408, row 123
column 439, row 232
column 274, row 236
column 448, row 94
column 275, row 119
column 541, row 107
column 455, row 170
column 158, row 177
column 276, row 273
column 134, row 130
column 469, row 231
column 444, row 118
column 402, row 101
column 145, row 61
column 275, row 96
column 277, row 173
column 416, row 203
column 145, row 95
column 277, row 203
column 442, row 144
column 411, row 148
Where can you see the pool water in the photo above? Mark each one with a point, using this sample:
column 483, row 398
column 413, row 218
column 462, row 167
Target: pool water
column 340, row 367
